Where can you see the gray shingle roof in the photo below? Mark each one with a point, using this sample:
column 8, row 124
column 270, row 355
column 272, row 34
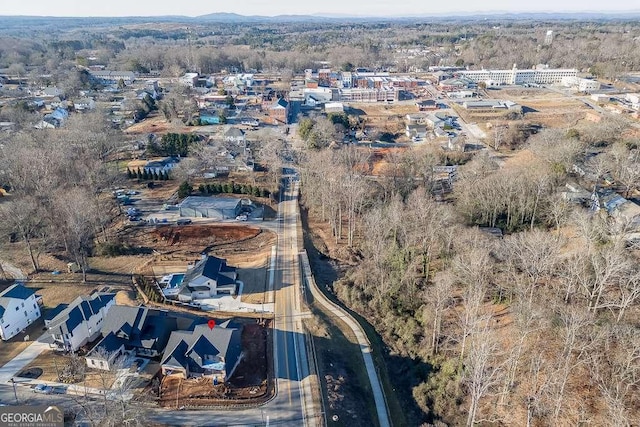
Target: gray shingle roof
column 213, row 268
column 142, row 327
column 189, row 348
column 81, row 309
column 234, row 132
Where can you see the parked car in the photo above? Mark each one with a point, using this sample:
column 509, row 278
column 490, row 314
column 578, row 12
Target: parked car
column 183, row 221
column 43, row 388
column 241, row 218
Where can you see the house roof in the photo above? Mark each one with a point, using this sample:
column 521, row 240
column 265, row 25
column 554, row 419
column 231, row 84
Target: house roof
column 234, row 132
column 17, row 291
column 81, row 309
column 144, row 327
column 280, row 103
column 190, row 348
column 109, row 344
column 213, row 268
column 51, row 314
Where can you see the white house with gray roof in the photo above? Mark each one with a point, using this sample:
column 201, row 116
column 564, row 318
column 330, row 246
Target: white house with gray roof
column 18, row 309
column 209, row 277
column 80, row 322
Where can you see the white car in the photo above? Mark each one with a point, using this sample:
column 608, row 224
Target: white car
column 43, row 388
column 241, row 218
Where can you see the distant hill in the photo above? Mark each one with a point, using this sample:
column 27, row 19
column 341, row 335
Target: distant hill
column 42, row 22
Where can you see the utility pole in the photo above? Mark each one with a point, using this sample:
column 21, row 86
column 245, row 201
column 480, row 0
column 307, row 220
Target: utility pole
column 15, row 393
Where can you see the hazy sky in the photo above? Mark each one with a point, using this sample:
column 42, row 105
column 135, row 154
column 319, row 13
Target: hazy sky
column 278, row 7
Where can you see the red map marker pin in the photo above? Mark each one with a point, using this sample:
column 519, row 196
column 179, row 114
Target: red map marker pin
column 211, row 323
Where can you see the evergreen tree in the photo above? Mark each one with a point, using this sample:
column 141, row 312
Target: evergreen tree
column 184, row 190
column 202, row 189
column 155, row 175
column 145, row 174
column 139, row 173
column 129, row 174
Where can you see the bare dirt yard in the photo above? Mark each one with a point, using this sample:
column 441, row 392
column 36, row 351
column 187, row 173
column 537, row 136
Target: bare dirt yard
column 193, row 239
column 546, row 107
column 157, row 124
column 248, row 384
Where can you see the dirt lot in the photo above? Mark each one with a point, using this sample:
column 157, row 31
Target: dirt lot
column 542, row 106
column 192, row 240
column 248, row 382
column 157, row 124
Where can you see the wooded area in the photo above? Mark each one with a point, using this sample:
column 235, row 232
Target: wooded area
column 536, row 328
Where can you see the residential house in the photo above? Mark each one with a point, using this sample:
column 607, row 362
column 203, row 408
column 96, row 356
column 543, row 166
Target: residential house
column 434, row 121
column 279, row 111
column 625, row 212
column 427, row 104
column 236, row 135
column 209, row 277
column 51, row 92
column 84, row 104
column 203, row 352
column 142, row 331
column 189, row 79
column 416, row 119
column 416, row 131
column 18, row 309
column 79, row 323
column 159, row 166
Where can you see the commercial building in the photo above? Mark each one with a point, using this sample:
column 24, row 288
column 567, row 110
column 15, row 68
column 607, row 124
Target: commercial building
column 582, row 85
column 384, row 94
column 514, row 76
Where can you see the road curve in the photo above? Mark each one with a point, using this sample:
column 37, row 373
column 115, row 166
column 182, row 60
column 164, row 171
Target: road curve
column 363, row 341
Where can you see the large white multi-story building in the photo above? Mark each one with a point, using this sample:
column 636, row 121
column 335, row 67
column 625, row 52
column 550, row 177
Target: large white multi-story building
column 515, row 76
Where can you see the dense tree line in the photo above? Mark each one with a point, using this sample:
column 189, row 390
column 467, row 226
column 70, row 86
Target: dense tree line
column 59, row 184
column 483, row 329
column 607, row 48
column 173, row 144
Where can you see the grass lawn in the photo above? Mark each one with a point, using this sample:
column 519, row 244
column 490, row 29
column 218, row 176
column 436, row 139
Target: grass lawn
column 13, row 347
column 255, row 283
column 346, row 391
column 57, row 293
column 51, row 363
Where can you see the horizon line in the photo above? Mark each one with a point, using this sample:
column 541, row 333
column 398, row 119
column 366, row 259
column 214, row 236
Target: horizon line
column 452, row 14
